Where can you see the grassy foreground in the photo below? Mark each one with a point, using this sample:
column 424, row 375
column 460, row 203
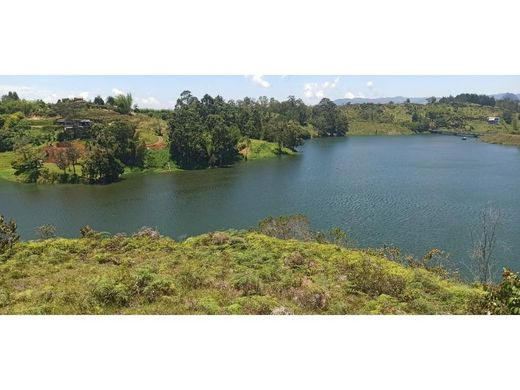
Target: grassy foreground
column 218, row 273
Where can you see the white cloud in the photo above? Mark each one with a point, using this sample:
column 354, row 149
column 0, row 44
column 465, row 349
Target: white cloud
column 258, row 80
column 116, row 92
column 148, row 102
column 370, row 84
column 17, row 88
column 352, row 95
column 316, row 91
column 84, row 95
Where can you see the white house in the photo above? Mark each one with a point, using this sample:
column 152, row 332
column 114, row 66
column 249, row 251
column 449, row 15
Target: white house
column 493, row 120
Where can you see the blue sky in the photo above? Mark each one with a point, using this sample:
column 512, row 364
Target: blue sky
column 162, row 91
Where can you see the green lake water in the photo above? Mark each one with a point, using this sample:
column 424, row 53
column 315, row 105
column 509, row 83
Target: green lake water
column 416, row 192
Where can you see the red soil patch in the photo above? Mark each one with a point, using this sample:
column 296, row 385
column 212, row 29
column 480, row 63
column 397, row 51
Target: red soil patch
column 52, row 151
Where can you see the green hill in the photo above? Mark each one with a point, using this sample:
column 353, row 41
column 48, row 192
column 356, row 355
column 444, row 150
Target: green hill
column 218, row 273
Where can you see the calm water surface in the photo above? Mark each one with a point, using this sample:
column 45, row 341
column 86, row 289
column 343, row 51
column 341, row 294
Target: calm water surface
column 415, row 192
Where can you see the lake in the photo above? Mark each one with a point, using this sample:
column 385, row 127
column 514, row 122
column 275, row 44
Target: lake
column 415, row 192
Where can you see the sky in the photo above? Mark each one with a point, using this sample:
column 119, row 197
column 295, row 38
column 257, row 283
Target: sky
column 162, row 91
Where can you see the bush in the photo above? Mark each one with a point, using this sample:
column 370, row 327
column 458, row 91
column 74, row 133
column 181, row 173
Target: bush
column 148, row 232
column 256, row 304
column 281, row 310
column 191, row 276
column 87, row 232
column 295, row 260
column 311, row 297
column 111, row 292
column 288, row 227
column 8, row 234
column 46, row 231
column 505, row 297
column 150, row 285
column 371, row 278
column 248, row 284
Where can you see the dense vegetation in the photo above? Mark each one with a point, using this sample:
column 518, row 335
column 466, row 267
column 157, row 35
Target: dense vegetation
column 281, row 267
column 98, row 141
column 207, row 132
column 462, row 113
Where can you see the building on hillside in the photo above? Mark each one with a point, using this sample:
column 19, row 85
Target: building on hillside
column 493, row 120
column 74, row 128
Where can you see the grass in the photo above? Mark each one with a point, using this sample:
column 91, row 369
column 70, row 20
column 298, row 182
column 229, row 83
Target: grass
column 264, row 149
column 395, row 119
column 376, row 128
column 218, row 273
column 6, row 171
column 502, row 139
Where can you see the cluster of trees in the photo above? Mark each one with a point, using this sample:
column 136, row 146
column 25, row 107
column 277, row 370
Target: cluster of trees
column 206, row 132
column 122, row 103
column 13, row 130
column 11, row 103
column 113, row 146
column 483, row 100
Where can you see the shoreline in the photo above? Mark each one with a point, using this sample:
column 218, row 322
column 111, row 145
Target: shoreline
column 267, row 152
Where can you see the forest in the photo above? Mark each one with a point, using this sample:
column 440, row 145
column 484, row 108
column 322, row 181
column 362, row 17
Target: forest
column 95, row 142
column 98, row 141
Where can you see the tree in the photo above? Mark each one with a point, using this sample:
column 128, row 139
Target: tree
column 13, row 132
column 188, row 146
column 101, row 166
column 68, row 109
column 431, row 100
column 123, row 139
column 221, row 141
column 62, row 160
column 124, row 103
column 508, row 117
column 73, row 155
column 328, row 119
column 8, row 235
column 28, row 163
column 484, row 239
column 285, row 133
column 11, row 96
column 98, row 100
column 111, row 101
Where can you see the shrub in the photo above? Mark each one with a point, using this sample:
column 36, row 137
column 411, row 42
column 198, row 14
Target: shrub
column 249, row 284
column 295, row 260
column 336, row 236
column 8, row 235
column 311, row 297
column 150, row 285
column 294, row 227
column 46, row 231
column 111, row 292
column 87, row 232
column 281, row 310
column 148, row 232
column 4, row 298
column 505, row 297
column 191, row 276
column 257, row 304
column 371, row 277
column 219, row 238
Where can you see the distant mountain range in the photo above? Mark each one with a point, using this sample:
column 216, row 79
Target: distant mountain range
column 416, row 100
